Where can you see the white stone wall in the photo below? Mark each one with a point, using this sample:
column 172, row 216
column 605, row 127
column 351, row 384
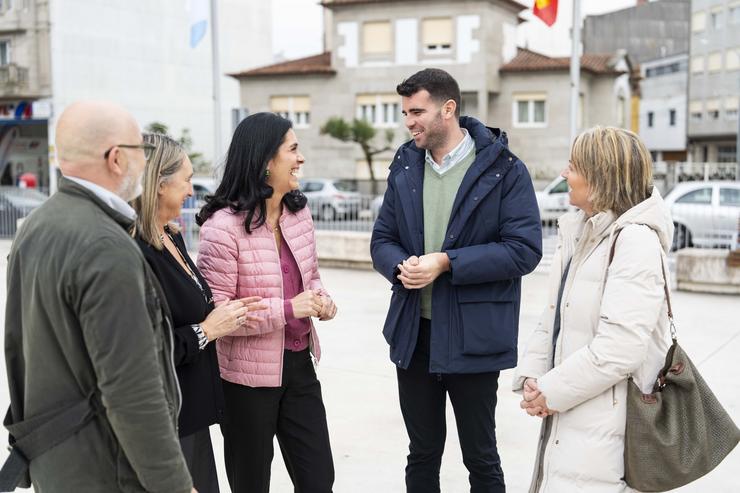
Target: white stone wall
column 138, row 54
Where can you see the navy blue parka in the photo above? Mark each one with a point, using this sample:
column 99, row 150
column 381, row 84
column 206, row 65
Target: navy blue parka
column 493, row 238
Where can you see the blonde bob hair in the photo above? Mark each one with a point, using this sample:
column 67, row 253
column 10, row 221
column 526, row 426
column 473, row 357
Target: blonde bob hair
column 616, row 166
column 165, row 161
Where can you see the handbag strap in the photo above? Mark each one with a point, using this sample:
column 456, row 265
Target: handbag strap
column 665, row 283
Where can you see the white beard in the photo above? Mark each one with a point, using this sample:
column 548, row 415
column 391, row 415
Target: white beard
column 131, row 187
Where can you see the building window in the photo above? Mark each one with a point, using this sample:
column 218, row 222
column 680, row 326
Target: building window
column 714, row 61
column 670, row 68
column 377, row 39
column 731, row 107
column 695, row 111
column 715, row 18
column 294, row 108
column 672, row 118
column 712, row 106
column 732, row 59
column 4, row 52
column 697, row 64
column 726, row 154
column 436, row 36
column 530, row 110
column 380, row 110
column 650, row 119
column 734, row 14
column 698, row 21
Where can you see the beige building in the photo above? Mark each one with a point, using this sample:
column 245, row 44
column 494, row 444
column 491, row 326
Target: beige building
column 25, row 86
column 374, row 45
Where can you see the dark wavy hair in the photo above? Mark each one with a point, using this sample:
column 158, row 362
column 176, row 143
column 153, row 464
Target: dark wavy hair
column 244, row 185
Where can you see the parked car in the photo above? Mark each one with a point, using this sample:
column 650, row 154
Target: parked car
column 331, row 199
column 16, row 203
column 202, row 186
column 705, row 213
column 553, row 201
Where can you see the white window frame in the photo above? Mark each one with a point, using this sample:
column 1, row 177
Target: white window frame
column 716, row 17
column 380, row 113
column 437, row 50
column 530, row 100
column 300, row 119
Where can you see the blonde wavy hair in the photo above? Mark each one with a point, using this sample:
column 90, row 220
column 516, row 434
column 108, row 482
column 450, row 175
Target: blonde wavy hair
column 616, row 165
column 165, row 161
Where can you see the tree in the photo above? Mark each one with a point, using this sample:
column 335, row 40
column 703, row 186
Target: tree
column 200, row 165
column 363, row 133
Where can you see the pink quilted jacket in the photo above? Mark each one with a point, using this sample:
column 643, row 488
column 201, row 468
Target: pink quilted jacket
column 236, row 265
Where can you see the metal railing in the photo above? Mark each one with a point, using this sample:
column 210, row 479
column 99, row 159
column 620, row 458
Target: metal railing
column 15, row 205
column 698, row 225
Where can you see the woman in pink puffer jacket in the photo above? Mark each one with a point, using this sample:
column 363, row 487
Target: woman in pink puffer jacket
column 257, row 239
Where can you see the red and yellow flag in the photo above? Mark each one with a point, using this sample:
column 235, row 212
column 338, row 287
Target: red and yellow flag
column 547, row 10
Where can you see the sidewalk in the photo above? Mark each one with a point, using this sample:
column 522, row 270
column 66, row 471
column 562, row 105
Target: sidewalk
column 368, row 437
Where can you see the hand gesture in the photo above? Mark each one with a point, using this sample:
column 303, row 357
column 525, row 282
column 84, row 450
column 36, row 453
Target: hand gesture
column 419, row 272
column 328, row 309
column 229, row 316
column 307, row 304
column 537, row 406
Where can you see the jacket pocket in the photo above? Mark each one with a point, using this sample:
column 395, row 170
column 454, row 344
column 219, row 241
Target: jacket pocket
column 392, row 320
column 489, row 318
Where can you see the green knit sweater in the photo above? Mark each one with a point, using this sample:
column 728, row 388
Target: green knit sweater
column 439, row 195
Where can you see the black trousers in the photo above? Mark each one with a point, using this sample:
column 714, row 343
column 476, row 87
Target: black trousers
column 423, row 399
column 295, row 413
column 198, row 454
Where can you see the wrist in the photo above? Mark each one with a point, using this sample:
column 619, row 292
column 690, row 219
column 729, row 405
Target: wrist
column 200, row 334
column 205, row 326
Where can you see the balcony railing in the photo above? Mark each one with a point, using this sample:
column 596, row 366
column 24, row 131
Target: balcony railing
column 13, row 79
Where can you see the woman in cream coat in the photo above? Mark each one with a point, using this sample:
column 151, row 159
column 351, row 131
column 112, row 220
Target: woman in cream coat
column 605, row 323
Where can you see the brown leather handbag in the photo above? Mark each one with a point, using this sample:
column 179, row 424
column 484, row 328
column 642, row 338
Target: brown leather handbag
column 680, row 431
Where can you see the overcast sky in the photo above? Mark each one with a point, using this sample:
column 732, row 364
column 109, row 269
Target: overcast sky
column 297, row 26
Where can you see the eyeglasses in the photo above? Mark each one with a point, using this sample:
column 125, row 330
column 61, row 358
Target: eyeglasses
column 147, row 148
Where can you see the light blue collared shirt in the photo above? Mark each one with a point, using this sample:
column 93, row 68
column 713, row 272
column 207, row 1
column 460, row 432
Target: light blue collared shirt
column 109, row 198
column 455, row 156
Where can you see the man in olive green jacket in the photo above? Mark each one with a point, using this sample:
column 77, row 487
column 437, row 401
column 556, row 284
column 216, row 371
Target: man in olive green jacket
column 84, row 321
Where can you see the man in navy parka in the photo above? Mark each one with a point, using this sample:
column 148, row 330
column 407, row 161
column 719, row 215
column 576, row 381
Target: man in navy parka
column 458, row 228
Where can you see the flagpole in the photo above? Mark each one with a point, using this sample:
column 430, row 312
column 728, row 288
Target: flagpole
column 216, row 69
column 575, row 70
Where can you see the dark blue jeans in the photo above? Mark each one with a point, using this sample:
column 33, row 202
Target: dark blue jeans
column 423, row 399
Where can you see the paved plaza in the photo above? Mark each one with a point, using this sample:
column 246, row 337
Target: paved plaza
column 367, row 433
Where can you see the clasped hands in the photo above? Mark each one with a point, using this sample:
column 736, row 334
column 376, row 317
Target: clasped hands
column 419, row 272
column 534, row 401
column 311, row 303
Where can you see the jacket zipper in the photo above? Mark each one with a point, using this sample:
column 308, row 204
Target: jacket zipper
column 173, row 375
column 282, row 291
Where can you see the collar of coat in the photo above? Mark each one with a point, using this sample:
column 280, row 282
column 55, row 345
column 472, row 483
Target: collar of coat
column 69, row 187
column 576, row 228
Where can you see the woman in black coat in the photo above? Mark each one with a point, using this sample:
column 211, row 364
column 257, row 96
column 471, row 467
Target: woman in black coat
column 166, row 186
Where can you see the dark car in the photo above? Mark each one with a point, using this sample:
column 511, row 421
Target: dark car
column 17, row 203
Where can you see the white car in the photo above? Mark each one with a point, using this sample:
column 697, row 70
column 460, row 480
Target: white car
column 553, row 201
column 705, row 213
column 331, row 199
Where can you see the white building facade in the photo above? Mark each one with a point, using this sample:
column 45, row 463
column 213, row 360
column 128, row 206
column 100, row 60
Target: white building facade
column 139, row 55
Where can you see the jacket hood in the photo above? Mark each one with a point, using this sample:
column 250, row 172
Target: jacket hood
column 654, row 213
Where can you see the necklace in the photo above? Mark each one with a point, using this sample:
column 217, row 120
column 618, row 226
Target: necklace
column 187, row 266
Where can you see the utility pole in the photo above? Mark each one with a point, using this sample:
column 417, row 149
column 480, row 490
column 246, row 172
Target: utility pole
column 575, row 70
column 216, row 68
